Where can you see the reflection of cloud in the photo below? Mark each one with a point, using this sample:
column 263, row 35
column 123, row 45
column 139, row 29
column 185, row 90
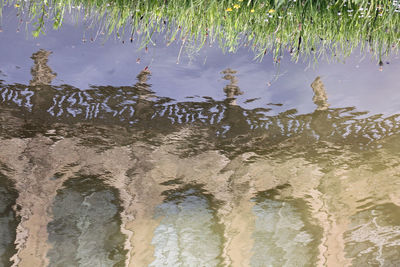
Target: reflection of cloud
column 87, row 76
column 364, row 87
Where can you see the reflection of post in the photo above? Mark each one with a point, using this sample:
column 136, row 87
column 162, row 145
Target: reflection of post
column 143, row 107
column 42, row 76
column 234, row 121
column 322, row 122
column 231, row 90
column 142, row 86
column 41, row 72
column 320, row 99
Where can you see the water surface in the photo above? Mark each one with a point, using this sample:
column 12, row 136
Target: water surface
column 216, row 161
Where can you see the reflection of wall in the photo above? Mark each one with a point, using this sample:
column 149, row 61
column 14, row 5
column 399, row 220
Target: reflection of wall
column 38, row 172
column 334, row 183
column 138, row 106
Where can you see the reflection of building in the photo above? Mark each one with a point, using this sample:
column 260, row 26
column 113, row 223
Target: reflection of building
column 151, row 178
column 213, row 171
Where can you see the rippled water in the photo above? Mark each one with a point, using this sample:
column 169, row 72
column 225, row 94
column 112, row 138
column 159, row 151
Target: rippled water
column 205, row 163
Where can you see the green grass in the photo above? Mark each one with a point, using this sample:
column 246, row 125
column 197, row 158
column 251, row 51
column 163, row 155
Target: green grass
column 305, row 28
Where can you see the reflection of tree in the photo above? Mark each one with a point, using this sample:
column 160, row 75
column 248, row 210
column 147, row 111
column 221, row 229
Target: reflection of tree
column 41, row 72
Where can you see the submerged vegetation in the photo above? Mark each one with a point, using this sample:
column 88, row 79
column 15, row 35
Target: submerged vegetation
column 309, row 28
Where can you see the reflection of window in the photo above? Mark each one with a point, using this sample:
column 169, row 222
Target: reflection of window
column 85, row 230
column 8, row 221
column 281, row 235
column 186, row 235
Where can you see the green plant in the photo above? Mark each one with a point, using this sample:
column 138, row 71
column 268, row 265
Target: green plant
column 307, row 28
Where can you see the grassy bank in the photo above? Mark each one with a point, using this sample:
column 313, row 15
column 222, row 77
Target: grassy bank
column 309, row 28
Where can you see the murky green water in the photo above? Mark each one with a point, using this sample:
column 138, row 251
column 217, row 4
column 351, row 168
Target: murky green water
column 107, row 161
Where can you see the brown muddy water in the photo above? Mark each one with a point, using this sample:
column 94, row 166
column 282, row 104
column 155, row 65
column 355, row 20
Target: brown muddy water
column 220, row 161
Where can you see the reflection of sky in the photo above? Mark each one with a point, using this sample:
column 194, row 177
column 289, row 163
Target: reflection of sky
column 356, row 83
